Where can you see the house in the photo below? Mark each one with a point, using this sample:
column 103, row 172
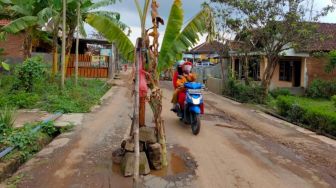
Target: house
column 13, row 46
column 297, row 68
column 205, row 52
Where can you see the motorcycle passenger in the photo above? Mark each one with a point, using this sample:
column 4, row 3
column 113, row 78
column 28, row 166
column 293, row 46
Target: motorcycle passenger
column 179, row 94
column 178, row 74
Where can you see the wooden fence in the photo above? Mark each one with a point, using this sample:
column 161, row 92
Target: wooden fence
column 89, row 66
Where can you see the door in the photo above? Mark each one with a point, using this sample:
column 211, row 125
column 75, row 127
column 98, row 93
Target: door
column 297, row 74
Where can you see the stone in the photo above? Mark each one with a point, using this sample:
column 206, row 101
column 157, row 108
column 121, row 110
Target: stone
column 129, row 146
column 155, row 156
column 118, row 155
column 127, row 164
column 147, row 134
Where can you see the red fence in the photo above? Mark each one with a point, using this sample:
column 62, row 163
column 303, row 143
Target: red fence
column 89, row 66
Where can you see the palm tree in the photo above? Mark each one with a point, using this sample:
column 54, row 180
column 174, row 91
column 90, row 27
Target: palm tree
column 176, row 40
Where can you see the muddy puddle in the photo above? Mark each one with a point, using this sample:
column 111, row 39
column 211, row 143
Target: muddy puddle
column 181, row 165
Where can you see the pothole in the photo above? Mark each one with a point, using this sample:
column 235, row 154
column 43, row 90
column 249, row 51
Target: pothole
column 215, row 117
column 181, row 165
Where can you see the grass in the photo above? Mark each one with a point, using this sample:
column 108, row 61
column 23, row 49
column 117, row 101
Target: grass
column 320, row 105
column 47, row 96
column 316, row 114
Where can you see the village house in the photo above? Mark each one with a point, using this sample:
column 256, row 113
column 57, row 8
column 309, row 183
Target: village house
column 297, row 68
column 210, row 52
column 13, row 46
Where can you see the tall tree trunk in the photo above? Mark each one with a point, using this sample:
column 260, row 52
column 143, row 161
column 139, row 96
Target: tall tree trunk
column 272, row 62
column 54, row 68
column 77, row 43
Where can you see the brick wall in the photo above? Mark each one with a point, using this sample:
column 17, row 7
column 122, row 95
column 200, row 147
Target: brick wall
column 316, row 69
column 13, row 47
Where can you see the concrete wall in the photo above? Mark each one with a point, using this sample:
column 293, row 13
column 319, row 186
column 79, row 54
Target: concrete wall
column 215, row 85
column 48, row 57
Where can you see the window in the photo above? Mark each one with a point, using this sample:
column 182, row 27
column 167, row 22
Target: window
column 254, row 69
column 285, row 72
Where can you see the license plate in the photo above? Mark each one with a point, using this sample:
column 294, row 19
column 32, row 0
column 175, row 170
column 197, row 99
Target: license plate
column 195, row 91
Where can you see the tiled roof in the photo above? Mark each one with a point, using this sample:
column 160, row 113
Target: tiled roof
column 208, row 48
column 4, row 22
column 328, row 41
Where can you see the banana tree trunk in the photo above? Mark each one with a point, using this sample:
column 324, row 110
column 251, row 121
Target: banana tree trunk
column 28, row 44
column 54, row 70
column 156, row 93
column 69, row 42
column 55, row 62
column 156, row 105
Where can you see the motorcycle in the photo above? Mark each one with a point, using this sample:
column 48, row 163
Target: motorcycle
column 190, row 114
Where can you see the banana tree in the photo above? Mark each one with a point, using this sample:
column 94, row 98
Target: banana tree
column 176, row 40
column 26, row 15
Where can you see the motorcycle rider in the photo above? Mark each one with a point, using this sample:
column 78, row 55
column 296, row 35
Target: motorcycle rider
column 187, row 76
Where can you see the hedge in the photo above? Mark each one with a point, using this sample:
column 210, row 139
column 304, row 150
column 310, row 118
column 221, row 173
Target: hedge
column 244, row 93
column 318, row 115
column 322, row 89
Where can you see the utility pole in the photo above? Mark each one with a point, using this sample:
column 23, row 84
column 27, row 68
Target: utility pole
column 77, row 43
column 63, row 43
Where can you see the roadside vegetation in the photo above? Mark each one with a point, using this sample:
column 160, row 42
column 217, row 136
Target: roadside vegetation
column 316, row 110
column 30, row 86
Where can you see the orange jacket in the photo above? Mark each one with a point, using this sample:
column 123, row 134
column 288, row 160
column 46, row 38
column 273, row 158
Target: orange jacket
column 184, row 79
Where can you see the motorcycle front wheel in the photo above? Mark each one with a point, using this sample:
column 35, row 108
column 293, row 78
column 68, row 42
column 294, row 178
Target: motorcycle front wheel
column 196, row 123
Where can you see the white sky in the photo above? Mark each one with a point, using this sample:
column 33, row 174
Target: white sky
column 129, row 14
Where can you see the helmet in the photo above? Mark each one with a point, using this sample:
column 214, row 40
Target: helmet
column 187, row 66
column 179, row 63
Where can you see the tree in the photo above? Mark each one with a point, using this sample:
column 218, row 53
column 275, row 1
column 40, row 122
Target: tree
column 276, row 26
column 175, row 41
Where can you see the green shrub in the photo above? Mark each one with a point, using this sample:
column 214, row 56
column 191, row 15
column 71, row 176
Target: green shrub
column 49, row 129
column 296, row 113
column 318, row 115
column 321, row 89
column 333, row 98
column 21, row 99
column 280, row 92
column 30, row 72
column 244, row 93
column 46, row 95
column 7, row 118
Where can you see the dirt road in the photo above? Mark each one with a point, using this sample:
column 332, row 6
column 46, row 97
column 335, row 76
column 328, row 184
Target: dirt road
column 237, row 147
column 240, row 147
column 82, row 158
